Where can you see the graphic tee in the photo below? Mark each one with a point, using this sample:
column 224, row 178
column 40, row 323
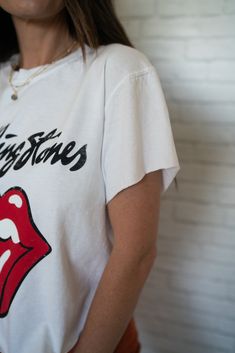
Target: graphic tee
column 78, row 134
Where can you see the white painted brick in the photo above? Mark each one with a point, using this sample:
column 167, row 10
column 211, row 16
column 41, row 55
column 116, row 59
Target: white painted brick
column 135, row 7
column 193, row 112
column 229, row 6
column 153, row 343
column 174, row 313
column 200, row 92
column 186, row 151
column 157, row 48
column 166, row 210
column 198, row 213
column 188, row 301
column 224, row 71
column 210, row 49
column 207, row 193
column 200, row 269
column 160, row 280
column 213, row 153
column 189, row 27
column 132, row 27
column 210, row 174
column 181, row 70
column 230, row 217
column 196, row 251
column 218, row 154
column 205, row 133
column 189, row 7
column 197, row 233
column 205, row 287
column 201, row 337
column 194, row 335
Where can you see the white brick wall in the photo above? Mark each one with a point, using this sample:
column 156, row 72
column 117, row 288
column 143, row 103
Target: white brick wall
column 188, row 302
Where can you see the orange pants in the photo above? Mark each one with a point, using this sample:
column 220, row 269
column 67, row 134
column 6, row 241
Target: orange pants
column 129, row 342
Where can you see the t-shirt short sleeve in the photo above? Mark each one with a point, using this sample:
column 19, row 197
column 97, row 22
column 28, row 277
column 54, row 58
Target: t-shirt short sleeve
column 137, row 135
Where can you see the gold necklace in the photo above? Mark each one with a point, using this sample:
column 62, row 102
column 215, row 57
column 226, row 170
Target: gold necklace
column 14, row 96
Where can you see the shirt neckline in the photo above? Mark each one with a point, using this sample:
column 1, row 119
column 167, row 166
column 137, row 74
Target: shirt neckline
column 23, row 73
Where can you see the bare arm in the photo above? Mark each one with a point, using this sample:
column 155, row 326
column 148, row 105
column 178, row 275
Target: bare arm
column 134, row 214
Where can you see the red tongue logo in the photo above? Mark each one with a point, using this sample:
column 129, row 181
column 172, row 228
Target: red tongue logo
column 22, row 245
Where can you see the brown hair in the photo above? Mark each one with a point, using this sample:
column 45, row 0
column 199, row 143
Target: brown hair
column 90, row 22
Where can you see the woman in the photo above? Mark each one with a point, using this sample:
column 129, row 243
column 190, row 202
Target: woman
column 86, row 149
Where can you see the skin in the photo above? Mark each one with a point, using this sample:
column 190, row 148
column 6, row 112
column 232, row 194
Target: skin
column 41, row 31
column 134, row 216
column 133, row 212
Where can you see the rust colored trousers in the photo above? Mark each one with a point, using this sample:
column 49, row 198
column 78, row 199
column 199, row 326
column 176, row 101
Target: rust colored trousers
column 129, row 342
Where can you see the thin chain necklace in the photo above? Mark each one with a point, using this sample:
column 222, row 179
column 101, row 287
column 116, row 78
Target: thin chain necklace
column 14, row 96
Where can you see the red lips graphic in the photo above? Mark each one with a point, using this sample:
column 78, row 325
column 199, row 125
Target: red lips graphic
column 22, row 245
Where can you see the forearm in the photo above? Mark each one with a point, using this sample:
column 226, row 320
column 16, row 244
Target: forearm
column 113, row 303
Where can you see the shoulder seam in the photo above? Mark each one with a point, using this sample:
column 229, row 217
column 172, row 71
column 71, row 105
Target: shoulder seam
column 135, row 74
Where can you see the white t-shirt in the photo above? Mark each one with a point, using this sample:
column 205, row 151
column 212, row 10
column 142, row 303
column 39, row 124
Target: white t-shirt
column 78, row 134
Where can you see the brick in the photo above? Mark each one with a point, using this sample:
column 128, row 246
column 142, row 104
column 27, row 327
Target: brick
column 197, row 251
column 192, row 334
column 213, row 153
column 182, row 70
column 193, row 112
column 189, row 7
column 158, row 279
column 203, row 269
column 132, row 27
column 132, row 8
column 198, row 233
column 210, row 49
column 198, row 269
column 169, row 312
column 199, row 213
column 222, row 71
column 185, row 151
column 157, row 48
column 205, row 193
column 210, row 174
column 230, row 217
column 187, row 304
column 229, row 6
column 200, row 92
column 166, row 210
column 204, row 133
column 189, row 27
column 175, row 313
column 205, row 287
column 164, row 343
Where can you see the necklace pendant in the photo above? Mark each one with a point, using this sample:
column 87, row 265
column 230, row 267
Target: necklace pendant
column 14, row 96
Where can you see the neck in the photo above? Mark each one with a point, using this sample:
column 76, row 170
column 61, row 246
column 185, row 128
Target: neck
column 41, row 41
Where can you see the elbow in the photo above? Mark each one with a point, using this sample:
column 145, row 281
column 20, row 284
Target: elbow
column 148, row 259
column 136, row 258
column 146, row 264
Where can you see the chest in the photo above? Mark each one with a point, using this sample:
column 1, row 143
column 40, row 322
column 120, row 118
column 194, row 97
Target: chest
column 52, row 148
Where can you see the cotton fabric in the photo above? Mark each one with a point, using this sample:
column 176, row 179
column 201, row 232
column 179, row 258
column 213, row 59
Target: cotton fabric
column 78, row 134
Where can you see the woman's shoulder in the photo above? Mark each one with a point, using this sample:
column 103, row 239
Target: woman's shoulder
column 123, row 60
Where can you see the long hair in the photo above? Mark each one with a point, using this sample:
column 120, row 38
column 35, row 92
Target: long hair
column 89, row 22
